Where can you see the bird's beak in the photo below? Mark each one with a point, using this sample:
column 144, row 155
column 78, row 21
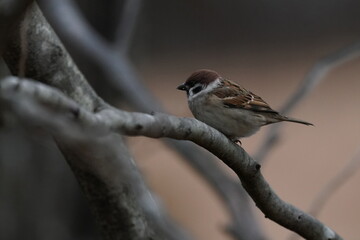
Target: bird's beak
column 182, row 87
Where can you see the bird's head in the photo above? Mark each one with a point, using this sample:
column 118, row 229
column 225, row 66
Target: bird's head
column 199, row 82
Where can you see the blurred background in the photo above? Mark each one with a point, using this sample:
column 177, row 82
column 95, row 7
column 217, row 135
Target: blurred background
column 268, row 47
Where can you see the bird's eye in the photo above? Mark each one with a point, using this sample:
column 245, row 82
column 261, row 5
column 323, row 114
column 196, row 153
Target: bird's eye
column 197, row 89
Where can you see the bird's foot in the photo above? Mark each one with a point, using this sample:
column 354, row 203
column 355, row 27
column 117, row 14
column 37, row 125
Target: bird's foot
column 237, row 142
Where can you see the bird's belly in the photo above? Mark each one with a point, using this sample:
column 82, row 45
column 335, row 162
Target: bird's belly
column 234, row 123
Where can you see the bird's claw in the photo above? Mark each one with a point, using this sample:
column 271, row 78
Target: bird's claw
column 237, row 142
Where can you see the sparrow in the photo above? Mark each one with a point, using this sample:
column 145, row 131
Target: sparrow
column 228, row 107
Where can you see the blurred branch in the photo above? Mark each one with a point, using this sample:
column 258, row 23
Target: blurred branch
column 127, row 24
column 316, row 74
column 90, row 52
column 117, row 70
column 10, row 15
column 100, row 161
column 335, row 183
column 47, row 58
column 243, row 225
column 163, row 125
column 119, row 202
column 332, row 186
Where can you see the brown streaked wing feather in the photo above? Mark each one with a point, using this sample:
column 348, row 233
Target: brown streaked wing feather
column 234, row 96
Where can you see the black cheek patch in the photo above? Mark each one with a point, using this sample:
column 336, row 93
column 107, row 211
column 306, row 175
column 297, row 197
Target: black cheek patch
column 197, row 89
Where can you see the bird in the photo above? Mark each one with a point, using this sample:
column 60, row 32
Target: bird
column 227, row 106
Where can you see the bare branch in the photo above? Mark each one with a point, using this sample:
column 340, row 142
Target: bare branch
column 312, row 79
column 120, row 74
column 127, row 24
column 332, row 186
column 335, row 183
column 49, row 62
column 318, row 72
column 162, row 125
column 46, row 55
column 91, row 52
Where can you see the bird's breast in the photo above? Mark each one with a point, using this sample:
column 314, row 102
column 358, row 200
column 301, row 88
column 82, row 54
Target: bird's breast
column 233, row 122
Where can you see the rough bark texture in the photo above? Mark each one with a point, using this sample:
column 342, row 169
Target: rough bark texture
column 114, row 201
column 46, row 56
column 112, row 184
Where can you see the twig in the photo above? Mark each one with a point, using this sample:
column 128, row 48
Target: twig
column 126, row 26
column 162, row 125
column 313, row 78
column 335, row 183
column 332, row 186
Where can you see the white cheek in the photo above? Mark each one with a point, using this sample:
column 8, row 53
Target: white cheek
column 207, row 89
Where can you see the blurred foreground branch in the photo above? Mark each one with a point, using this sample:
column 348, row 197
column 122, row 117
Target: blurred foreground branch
column 126, row 26
column 119, row 199
column 312, row 79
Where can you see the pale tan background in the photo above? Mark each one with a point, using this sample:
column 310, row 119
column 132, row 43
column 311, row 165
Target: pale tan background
column 299, row 166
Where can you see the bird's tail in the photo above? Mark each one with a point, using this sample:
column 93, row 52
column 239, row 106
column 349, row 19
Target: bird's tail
column 288, row 119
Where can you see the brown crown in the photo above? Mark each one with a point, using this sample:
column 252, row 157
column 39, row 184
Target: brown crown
column 203, row 76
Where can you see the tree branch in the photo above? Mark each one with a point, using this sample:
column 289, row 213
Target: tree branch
column 127, row 24
column 104, row 59
column 335, row 183
column 312, row 79
column 116, row 70
column 45, row 51
column 162, row 125
column 332, row 186
column 128, row 217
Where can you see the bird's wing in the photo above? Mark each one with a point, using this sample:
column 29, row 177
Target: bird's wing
column 234, row 96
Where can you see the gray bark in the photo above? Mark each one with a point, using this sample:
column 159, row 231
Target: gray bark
column 118, row 201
